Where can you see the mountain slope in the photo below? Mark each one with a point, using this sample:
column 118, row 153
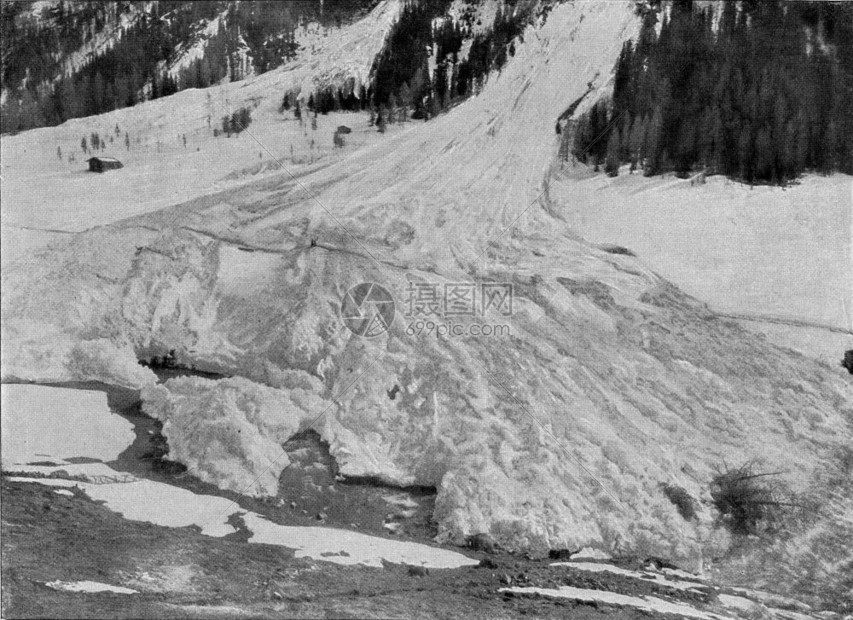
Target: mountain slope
column 611, row 383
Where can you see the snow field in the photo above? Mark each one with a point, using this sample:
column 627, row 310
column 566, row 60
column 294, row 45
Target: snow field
column 54, row 424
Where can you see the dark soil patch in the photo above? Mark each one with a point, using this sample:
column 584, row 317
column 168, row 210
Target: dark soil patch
column 181, row 573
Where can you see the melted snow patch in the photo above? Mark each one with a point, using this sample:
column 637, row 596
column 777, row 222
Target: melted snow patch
column 96, row 473
column 402, row 500
column 50, row 423
column 154, row 502
column 772, row 600
column 88, row 587
column 650, row 577
column 345, row 547
column 588, row 553
column 738, row 602
column 677, row 572
column 162, row 504
column 645, row 603
column 168, row 506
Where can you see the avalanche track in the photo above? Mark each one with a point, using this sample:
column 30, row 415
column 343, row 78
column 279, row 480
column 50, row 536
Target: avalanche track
column 559, row 435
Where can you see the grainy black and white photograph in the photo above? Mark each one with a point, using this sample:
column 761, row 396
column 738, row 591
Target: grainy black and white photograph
column 415, row 309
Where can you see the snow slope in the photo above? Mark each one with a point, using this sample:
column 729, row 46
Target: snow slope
column 45, row 197
column 612, row 381
column 780, row 252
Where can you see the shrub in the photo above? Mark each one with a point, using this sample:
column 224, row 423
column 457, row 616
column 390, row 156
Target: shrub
column 747, row 503
column 682, row 500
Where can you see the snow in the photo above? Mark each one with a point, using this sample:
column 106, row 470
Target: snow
column 645, row 576
column 165, row 505
column 158, row 170
column 96, row 473
column 242, row 429
column 559, row 436
column 195, row 50
column 739, row 603
column 64, row 492
column 170, row 506
column 779, row 252
column 349, row 548
column 153, row 502
column 588, row 553
column 52, row 424
column 677, row 572
column 56, row 413
column 645, row 603
column 89, row 587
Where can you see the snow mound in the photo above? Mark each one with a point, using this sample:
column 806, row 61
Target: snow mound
column 240, row 431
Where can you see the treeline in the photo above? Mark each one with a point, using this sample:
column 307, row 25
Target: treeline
column 762, row 96
column 402, row 85
column 401, row 75
column 134, row 66
column 130, row 70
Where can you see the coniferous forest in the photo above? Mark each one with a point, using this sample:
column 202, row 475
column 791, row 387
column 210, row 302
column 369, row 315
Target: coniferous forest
column 761, row 92
column 402, row 84
column 419, row 72
column 42, row 91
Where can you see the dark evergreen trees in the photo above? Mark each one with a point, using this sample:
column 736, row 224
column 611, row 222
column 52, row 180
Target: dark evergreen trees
column 765, row 96
column 130, row 69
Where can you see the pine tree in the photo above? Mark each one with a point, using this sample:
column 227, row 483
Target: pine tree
column 764, row 155
column 380, row 120
column 654, row 143
column 636, row 142
column 392, row 108
column 611, row 164
column 405, row 101
column 30, row 112
column 84, row 146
